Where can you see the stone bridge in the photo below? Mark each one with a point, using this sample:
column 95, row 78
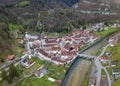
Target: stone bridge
column 86, row 56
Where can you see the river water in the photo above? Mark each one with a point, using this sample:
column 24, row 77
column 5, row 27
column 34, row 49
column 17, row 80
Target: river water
column 92, row 50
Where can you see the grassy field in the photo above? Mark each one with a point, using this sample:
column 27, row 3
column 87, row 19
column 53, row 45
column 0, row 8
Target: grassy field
column 56, row 72
column 87, row 77
column 13, row 27
column 115, row 51
column 105, row 32
column 110, row 72
column 33, row 81
column 99, row 52
column 103, row 72
column 55, row 34
column 116, row 83
column 22, row 4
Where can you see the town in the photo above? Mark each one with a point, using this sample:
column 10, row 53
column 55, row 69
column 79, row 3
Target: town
column 62, row 51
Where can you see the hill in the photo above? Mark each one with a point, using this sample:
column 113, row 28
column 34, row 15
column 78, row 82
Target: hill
column 52, row 15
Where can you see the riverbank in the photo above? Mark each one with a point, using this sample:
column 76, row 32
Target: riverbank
column 91, row 50
column 78, row 75
column 115, row 52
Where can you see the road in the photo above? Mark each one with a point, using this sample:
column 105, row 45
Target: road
column 108, row 76
column 24, row 76
column 99, row 67
column 16, row 61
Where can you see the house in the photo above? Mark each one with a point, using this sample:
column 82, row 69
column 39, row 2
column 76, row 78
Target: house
column 20, row 41
column 51, row 79
column 44, row 55
column 58, row 61
column 113, row 63
column 32, row 36
column 98, row 26
column 41, row 72
column 27, row 63
column 91, row 81
column 51, row 41
column 104, row 59
column 36, row 42
column 116, row 72
column 10, row 57
column 112, row 42
column 59, row 81
column 108, row 53
column 52, row 50
column 24, row 52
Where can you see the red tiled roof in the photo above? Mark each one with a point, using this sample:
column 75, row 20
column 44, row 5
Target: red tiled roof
column 67, row 53
column 31, row 40
column 78, row 36
column 20, row 41
column 44, row 53
column 51, row 40
column 36, row 46
column 104, row 58
column 59, row 81
column 49, row 45
column 67, row 46
column 75, row 47
column 58, row 60
column 24, row 51
column 43, row 35
column 67, row 38
column 76, row 32
column 36, row 42
column 69, row 58
column 52, row 48
column 10, row 57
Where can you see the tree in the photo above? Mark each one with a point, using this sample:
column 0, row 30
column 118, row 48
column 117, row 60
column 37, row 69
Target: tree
column 4, row 75
column 84, row 27
column 106, row 23
column 75, row 24
column 13, row 71
column 2, row 60
column 81, row 21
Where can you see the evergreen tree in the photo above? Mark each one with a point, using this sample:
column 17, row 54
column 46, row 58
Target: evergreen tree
column 13, row 71
column 4, row 75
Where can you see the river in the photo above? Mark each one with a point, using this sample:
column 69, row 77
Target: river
column 92, row 50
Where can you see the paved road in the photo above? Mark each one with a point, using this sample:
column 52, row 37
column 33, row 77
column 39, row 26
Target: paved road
column 16, row 61
column 108, row 76
column 24, row 76
column 100, row 67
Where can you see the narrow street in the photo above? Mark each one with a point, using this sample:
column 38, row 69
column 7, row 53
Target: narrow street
column 108, row 76
column 99, row 67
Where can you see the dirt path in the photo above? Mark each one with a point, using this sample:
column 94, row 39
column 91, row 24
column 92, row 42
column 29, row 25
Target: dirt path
column 78, row 75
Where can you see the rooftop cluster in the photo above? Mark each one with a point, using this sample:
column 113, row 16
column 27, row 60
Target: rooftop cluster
column 60, row 50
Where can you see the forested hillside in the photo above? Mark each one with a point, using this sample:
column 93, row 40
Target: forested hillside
column 18, row 16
